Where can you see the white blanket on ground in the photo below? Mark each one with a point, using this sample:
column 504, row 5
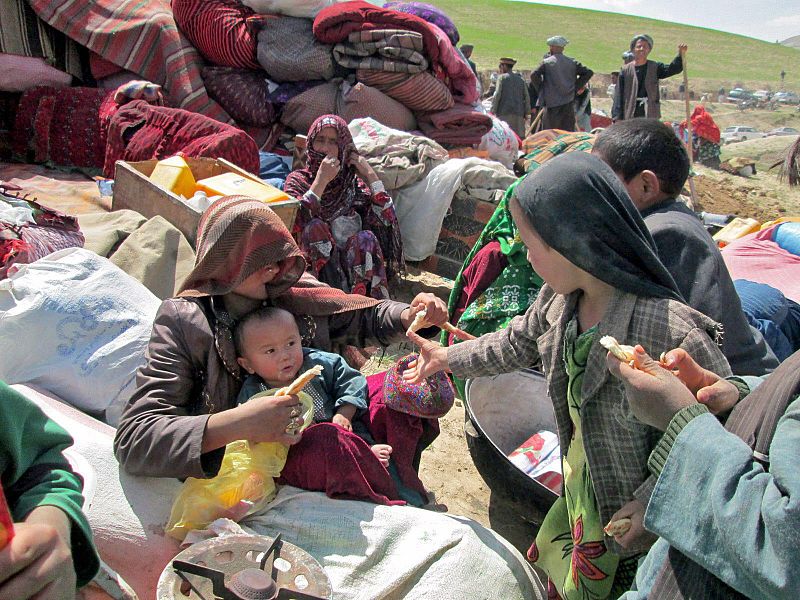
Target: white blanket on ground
column 372, row 551
column 421, row 207
column 368, row 551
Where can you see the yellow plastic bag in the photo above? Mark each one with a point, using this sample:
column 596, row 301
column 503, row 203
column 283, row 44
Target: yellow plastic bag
column 245, row 482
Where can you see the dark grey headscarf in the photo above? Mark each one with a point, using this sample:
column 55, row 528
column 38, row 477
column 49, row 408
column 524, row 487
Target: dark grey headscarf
column 579, row 207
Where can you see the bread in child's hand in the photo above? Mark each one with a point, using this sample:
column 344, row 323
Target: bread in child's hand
column 623, row 353
column 302, row 381
column 618, row 527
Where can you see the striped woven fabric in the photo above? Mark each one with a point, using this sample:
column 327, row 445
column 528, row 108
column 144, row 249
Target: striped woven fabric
column 392, row 50
column 141, row 37
column 418, row 92
column 220, row 30
column 24, row 34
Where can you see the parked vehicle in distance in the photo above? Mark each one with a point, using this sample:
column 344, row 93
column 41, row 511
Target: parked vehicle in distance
column 762, row 94
column 783, row 131
column 737, row 94
column 740, row 133
column 786, row 98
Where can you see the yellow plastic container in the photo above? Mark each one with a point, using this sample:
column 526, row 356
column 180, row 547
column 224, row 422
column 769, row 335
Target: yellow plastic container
column 174, row 175
column 737, row 228
column 233, row 184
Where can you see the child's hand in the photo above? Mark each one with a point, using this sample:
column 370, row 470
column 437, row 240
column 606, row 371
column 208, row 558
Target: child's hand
column 343, row 421
column 38, row 560
column 637, row 535
column 718, row 394
column 432, row 359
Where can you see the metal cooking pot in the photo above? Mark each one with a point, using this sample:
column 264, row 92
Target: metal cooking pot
column 503, row 411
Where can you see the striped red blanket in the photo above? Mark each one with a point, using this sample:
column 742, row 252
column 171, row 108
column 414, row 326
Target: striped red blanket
column 141, row 37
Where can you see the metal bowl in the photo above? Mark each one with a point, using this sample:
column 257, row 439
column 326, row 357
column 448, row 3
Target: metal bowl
column 501, row 413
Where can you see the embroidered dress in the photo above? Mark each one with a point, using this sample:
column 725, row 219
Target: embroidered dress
column 569, row 546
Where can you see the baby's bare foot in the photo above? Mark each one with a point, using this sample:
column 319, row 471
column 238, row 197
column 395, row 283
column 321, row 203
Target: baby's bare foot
column 382, row 451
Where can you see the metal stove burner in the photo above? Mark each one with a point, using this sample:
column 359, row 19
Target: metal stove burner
column 243, row 568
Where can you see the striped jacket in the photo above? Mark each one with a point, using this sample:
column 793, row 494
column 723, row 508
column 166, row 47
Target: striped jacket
column 617, row 445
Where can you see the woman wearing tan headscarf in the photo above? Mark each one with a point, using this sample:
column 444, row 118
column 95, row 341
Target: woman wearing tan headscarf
column 183, row 412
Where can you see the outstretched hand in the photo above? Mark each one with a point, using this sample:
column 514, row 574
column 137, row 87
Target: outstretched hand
column 432, row 359
column 682, row 48
column 654, row 394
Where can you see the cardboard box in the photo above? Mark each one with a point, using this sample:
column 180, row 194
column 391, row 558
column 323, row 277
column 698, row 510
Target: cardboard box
column 134, row 190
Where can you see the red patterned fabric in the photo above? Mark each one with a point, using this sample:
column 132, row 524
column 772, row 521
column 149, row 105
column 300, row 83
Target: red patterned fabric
column 338, row 462
column 242, row 93
column 140, row 37
column 334, row 23
column 62, row 126
column 222, row 30
column 460, row 125
column 335, row 461
column 140, row 131
column 419, row 92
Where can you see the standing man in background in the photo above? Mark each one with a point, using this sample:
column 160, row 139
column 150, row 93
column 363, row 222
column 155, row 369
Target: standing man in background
column 637, row 93
column 466, row 51
column 558, row 79
column 511, row 102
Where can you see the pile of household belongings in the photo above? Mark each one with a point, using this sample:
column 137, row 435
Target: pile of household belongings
column 269, row 67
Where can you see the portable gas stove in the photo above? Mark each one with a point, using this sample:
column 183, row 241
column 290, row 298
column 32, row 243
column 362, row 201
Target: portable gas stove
column 244, row 567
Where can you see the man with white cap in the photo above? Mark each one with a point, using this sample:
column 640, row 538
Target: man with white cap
column 557, row 79
column 637, row 93
column 511, row 102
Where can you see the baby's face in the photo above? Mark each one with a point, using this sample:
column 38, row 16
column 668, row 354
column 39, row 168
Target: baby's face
column 273, row 350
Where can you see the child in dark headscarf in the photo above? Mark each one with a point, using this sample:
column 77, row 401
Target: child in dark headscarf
column 602, row 277
column 346, row 226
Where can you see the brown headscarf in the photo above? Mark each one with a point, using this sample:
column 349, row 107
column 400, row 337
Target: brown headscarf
column 236, row 237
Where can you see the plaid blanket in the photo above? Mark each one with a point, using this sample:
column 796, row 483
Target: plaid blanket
column 141, row 37
column 391, row 50
column 335, row 23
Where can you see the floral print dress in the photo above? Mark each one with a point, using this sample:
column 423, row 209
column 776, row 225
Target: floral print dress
column 569, row 546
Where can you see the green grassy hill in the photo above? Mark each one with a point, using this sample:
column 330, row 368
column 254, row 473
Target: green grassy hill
column 519, row 29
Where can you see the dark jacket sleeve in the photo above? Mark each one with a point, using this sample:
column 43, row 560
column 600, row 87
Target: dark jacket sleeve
column 158, row 435
column 537, row 77
column 584, row 75
column 35, row 473
column 673, row 68
column 379, row 324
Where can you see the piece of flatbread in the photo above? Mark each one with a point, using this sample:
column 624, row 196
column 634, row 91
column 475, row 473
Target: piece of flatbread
column 623, row 353
column 418, row 322
column 302, row 381
column 618, row 527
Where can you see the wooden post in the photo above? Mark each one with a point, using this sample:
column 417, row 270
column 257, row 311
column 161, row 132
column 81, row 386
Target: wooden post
column 689, row 149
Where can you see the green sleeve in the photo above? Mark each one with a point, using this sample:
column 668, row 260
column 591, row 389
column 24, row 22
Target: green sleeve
column 34, row 473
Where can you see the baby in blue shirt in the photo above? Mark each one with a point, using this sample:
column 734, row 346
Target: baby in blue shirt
column 269, row 348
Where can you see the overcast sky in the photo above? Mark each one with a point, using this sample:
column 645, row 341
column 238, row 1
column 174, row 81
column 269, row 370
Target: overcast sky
column 764, row 19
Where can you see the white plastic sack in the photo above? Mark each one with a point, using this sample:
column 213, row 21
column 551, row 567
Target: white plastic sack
column 294, row 8
column 76, row 325
column 422, row 206
column 501, row 143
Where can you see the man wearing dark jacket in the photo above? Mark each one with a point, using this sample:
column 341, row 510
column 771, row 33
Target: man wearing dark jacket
column 637, row 93
column 653, row 165
column 557, row 81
